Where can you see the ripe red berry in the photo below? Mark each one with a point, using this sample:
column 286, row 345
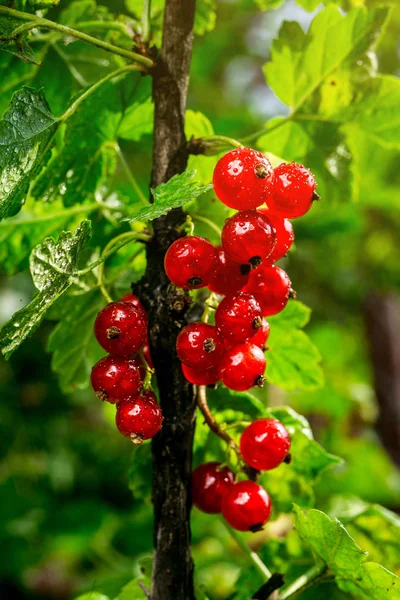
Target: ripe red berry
column 271, row 287
column 248, row 237
column 228, row 277
column 293, row 191
column 201, row 377
column 242, row 367
column 243, row 178
column 284, row 235
column 262, row 335
column 265, row 444
column 147, row 355
column 199, row 346
column 121, row 329
column 139, row 419
column 246, row 506
column 238, row 317
column 114, row 378
column 210, row 483
column 190, row 261
column 132, row 299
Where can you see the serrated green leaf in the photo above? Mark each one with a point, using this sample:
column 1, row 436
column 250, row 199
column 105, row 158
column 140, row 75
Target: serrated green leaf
column 13, row 42
column 138, row 118
column 292, row 359
column 53, row 266
column 26, row 131
column 333, row 544
column 177, row 192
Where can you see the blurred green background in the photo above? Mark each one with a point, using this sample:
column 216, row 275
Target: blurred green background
column 75, row 506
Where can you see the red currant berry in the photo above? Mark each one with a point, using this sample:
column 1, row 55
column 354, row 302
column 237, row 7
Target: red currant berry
column 229, row 277
column 243, row 179
column 271, row 287
column 238, row 317
column 246, row 506
column 199, row 346
column 132, row 299
column 284, row 235
column 201, row 377
column 147, row 355
column 248, row 237
column 210, row 483
column 114, row 378
column 264, row 444
column 121, row 329
column 262, row 335
column 293, row 191
column 242, row 367
column 139, row 419
column 190, row 262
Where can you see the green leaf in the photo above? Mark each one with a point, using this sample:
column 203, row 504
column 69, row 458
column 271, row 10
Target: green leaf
column 53, row 266
column 139, row 116
column 332, row 543
column 268, row 4
column 26, row 131
column 92, row 596
column 222, row 398
column 206, row 16
column 132, row 590
column 12, row 42
column 292, row 359
column 179, row 190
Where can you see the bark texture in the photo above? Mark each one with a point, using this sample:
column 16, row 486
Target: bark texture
column 382, row 320
column 172, row 448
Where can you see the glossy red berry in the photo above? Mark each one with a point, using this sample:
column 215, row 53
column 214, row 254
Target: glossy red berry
column 228, row 277
column 246, row 506
column 248, row 237
column 190, row 261
column 284, row 235
column 121, row 329
column 243, row 178
column 271, row 287
column 210, row 483
column 293, row 191
column 265, row 444
column 147, row 355
column 238, row 317
column 139, row 419
column 132, row 299
column 201, row 377
column 242, row 367
column 115, row 378
column 262, row 335
column 199, row 346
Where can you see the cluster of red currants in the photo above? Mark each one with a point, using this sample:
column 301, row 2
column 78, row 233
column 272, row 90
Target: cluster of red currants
column 245, row 505
column 242, row 269
column 120, row 378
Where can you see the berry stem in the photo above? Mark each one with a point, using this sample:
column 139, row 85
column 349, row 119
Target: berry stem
column 112, row 247
column 228, row 141
column 208, row 307
column 300, row 585
column 149, row 371
column 211, row 422
column 253, row 556
column 146, row 27
column 208, row 222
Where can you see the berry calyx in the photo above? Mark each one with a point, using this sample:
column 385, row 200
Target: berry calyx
column 284, row 235
column 228, row 277
column 238, row 317
column 190, row 261
column 262, row 335
column 133, row 299
column 210, row 483
column 199, row 346
column 243, row 178
column 246, row 506
column 242, row 367
column 201, row 377
column 265, row 444
column 115, row 378
column 139, row 419
column 271, row 287
column 248, row 237
column 121, row 329
column 293, row 191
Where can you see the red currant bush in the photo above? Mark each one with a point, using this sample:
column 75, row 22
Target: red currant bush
column 228, row 277
column 271, row 287
column 115, row 378
column 246, row 506
column 248, row 237
column 293, row 192
column 139, row 419
column 238, row 317
column 121, row 329
column 265, row 444
column 199, row 346
column 190, row 261
column 243, row 178
column 284, row 235
column 242, row 367
column 201, row 377
column 210, row 483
